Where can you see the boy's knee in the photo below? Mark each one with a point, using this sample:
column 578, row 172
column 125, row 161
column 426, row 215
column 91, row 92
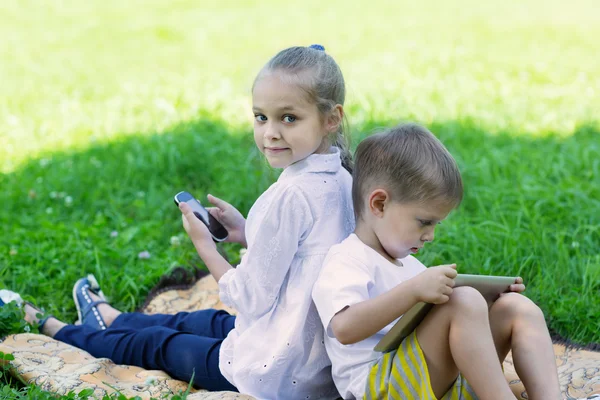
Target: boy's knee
column 468, row 299
column 516, row 306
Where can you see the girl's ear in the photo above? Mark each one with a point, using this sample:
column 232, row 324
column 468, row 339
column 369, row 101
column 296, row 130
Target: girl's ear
column 334, row 119
column 378, row 200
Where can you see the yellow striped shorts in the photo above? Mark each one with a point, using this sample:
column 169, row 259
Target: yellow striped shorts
column 403, row 374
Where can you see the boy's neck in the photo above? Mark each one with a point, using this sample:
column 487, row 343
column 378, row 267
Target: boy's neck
column 367, row 235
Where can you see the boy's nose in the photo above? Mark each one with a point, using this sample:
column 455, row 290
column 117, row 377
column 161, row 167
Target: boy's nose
column 428, row 236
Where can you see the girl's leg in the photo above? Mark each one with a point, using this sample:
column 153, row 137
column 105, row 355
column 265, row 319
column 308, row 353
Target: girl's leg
column 518, row 324
column 52, row 325
column 210, row 323
column 181, row 355
column 456, row 336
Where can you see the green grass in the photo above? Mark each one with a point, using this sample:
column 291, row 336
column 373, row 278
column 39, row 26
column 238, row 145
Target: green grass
column 118, row 105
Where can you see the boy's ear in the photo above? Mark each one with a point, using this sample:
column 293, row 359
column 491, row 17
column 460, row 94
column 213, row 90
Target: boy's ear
column 335, row 118
column 378, row 200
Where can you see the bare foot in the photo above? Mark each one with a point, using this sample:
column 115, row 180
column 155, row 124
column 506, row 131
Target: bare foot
column 52, row 325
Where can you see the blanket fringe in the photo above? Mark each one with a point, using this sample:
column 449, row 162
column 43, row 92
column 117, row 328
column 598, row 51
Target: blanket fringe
column 558, row 339
column 180, row 278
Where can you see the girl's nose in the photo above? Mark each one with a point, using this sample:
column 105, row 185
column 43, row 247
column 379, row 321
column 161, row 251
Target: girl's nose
column 272, row 132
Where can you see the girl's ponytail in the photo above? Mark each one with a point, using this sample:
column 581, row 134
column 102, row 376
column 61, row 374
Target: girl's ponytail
column 341, row 142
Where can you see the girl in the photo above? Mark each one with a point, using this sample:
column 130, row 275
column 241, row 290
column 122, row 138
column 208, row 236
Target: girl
column 274, row 347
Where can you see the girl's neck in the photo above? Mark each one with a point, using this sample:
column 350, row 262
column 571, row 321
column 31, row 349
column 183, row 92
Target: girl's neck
column 323, row 148
column 319, row 151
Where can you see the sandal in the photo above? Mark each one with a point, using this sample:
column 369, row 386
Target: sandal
column 87, row 310
column 44, row 317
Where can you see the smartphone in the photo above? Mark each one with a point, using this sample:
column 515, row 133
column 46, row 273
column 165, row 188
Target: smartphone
column 217, row 231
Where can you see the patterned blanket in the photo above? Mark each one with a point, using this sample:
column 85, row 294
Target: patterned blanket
column 61, row 368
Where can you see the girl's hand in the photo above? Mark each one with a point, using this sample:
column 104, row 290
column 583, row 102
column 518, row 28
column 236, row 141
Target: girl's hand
column 195, row 228
column 230, row 218
column 435, row 284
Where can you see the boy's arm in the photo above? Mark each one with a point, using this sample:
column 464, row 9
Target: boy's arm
column 364, row 319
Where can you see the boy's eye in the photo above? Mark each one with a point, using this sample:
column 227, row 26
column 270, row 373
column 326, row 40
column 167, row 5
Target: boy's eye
column 289, row 119
column 260, row 117
column 425, row 222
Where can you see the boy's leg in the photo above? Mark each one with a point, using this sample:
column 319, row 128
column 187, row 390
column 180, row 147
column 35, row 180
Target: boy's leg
column 456, row 336
column 209, row 323
column 179, row 354
column 518, row 324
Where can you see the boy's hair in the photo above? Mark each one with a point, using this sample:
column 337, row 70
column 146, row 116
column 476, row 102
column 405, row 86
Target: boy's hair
column 410, row 163
column 317, row 73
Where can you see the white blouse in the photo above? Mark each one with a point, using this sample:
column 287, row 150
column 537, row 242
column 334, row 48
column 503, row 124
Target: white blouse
column 276, row 350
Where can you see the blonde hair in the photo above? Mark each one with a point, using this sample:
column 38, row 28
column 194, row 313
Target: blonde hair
column 317, row 73
column 410, row 163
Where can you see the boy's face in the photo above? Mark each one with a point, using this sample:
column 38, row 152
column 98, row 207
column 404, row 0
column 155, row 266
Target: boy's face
column 403, row 228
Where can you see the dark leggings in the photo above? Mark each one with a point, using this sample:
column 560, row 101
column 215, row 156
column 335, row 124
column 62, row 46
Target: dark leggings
column 182, row 345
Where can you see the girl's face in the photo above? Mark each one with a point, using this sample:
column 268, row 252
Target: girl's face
column 287, row 126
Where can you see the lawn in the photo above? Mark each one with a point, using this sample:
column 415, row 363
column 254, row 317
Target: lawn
column 108, row 108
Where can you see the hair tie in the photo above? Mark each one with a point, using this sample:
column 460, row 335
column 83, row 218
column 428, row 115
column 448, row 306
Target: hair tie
column 316, row 47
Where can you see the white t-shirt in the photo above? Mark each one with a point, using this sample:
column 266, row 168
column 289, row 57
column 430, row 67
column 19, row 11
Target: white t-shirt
column 352, row 273
column 276, row 350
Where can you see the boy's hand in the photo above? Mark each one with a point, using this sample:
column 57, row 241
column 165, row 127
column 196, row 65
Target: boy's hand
column 230, row 218
column 435, row 284
column 195, row 228
column 517, row 287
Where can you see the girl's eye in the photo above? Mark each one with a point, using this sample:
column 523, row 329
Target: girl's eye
column 260, row 117
column 289, row 119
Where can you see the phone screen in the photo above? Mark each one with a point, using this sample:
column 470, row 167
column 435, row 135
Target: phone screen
column 218, row 232
column 198, row 209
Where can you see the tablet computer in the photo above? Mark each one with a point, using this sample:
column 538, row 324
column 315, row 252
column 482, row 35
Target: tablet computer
column 489, row 286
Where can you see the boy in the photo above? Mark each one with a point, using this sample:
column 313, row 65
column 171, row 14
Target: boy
column 405, row 183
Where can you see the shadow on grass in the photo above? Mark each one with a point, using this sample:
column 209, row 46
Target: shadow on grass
column 531, row 209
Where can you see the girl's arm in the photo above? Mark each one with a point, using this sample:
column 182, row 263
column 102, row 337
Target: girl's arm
column 230, row 218
column 364, row 319
column 254, row 287
column 202, row 240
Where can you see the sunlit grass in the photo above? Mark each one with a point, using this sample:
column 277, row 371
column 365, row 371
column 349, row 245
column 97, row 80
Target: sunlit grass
column 76, row 72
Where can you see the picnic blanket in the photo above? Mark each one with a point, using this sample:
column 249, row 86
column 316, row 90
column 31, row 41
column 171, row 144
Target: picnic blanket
column 61, row 368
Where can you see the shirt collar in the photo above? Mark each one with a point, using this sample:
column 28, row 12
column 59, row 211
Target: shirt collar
column 328, row 162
